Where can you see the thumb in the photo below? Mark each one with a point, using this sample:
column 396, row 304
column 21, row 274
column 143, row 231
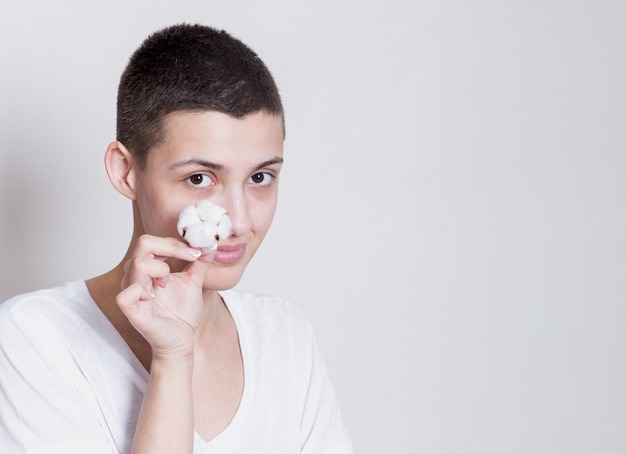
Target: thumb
column 198, row 268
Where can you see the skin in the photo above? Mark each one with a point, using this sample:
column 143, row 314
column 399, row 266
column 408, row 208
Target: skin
column 169, row 310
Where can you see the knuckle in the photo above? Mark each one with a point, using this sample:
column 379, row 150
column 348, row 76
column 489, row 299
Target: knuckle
column 144, row 241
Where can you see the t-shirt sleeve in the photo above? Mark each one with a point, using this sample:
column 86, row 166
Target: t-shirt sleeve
column 46, row 405
column 322, row 427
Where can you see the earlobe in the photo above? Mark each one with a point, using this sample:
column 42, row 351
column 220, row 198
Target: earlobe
column 121, row 169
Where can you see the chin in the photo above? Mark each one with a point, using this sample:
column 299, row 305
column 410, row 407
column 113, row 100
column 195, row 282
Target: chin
column 221, row 281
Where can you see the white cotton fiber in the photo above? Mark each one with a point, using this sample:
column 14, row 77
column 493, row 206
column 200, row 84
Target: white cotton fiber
column 202, row 225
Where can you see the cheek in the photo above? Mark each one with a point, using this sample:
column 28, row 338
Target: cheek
column 263, row 216
column 160, row 224
column 158, row 215
column 159, row 202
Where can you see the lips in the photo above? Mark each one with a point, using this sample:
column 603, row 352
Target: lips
column 230, row 254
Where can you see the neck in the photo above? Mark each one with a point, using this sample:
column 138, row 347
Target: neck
column 214, row 316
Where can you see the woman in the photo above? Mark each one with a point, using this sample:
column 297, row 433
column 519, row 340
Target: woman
column 157, row 355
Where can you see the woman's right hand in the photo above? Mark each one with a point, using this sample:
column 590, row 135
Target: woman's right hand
column 164, row 307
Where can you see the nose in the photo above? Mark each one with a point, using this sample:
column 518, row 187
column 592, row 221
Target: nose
column 237, row 208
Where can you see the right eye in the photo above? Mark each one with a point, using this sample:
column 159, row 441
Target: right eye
column 200, row 180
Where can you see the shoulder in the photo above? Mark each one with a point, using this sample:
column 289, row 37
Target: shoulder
column 49, row 298
column 269, row 308
column 57, row 308
column 270, row 319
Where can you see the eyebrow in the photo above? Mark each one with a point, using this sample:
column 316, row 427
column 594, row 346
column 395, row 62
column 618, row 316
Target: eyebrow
column 219, row 167
column 197, row 162
column 269, row 162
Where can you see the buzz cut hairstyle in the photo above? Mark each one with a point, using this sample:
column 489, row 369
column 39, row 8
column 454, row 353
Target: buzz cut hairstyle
column 189, row 68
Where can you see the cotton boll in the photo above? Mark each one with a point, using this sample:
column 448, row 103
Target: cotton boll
column 203, row 224
column 189, row 216
column 202, row 235
column 224, row 228
column 210, row 212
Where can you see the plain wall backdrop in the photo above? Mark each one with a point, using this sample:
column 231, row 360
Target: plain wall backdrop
column 452, row 210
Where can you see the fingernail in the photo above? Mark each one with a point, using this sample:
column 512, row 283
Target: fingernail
column 194, row 252
column 207, row 250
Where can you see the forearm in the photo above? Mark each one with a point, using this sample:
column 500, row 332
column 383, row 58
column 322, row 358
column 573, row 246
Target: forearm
column 165, row 422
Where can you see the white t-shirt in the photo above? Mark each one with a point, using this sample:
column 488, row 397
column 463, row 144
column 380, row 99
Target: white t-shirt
column 70, row 384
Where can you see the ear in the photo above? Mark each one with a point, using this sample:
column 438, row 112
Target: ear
column 121, row 169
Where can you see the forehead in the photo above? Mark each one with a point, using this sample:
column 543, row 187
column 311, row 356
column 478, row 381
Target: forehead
column 218, row 136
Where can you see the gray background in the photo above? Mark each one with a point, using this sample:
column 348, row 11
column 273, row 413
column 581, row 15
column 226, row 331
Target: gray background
column 452, row 214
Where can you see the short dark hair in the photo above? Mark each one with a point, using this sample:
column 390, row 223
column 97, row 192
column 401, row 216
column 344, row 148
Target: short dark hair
column 189, row 68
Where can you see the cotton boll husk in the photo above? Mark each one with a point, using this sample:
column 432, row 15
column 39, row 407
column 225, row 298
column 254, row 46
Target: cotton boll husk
column 210, row 212
column 201, row 235
column 189, row 216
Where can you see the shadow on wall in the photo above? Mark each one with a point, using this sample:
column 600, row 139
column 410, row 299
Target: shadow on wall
column 59, row 218
column 42, row 189
column 28, row 199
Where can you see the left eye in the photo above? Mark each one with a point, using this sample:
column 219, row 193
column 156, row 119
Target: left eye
column 200, row 180
column 261, row 178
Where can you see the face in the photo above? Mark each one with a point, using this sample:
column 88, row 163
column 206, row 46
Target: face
column 232, row 162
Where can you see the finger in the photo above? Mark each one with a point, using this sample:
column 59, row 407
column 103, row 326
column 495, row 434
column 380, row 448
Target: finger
column 164, row 248
column 144, row 270
column 198, row 269
column 129, row 298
